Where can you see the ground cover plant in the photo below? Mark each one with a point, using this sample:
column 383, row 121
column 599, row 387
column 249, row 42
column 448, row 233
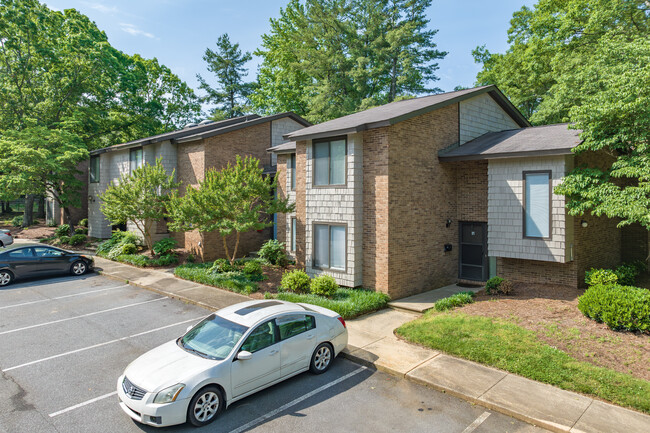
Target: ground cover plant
column 454, row 301
column 349, row 303
column 123, row 247
column 229, row 278
column 505, row 345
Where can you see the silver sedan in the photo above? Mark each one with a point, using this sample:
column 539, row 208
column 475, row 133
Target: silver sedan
column 5, row 238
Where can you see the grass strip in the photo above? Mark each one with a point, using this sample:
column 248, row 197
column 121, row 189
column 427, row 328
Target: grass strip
column 349, row 303
column 233, row 281
column 504, row 345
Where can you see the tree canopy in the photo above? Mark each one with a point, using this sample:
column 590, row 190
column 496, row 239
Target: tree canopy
column 328, row 58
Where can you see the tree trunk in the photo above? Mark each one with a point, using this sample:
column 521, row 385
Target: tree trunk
column 28, row 215
column 234, row 253
column 40, row 212
column 225, row 248
column 68, row 220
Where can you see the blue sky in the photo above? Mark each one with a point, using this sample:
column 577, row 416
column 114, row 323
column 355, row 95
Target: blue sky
column 177, row 32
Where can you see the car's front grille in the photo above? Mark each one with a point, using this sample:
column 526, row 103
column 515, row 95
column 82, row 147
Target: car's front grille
column 132, row 391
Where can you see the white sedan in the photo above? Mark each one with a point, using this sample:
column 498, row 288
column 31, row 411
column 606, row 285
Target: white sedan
column 5, row 238
column 229, row 355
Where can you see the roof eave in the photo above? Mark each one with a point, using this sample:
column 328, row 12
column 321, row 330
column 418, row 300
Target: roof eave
column 505, row 155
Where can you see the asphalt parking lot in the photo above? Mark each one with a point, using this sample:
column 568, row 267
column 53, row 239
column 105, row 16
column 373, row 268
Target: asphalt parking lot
column 64, row 341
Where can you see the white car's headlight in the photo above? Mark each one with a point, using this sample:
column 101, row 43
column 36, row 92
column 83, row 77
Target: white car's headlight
column 168, row 395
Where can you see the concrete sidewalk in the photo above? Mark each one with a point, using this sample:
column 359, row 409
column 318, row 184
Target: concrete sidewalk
column 373, row 343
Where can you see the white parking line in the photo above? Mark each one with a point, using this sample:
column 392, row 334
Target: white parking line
column 64, row 297
column 477, row 422
column 94, row 346
column 296, row 401
column 79, row 317
column 77, row 406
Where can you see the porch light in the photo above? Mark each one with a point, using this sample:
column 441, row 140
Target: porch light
column 584, row 223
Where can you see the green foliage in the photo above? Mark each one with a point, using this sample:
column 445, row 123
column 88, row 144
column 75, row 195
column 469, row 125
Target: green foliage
column 144, row 261
column 77, row 239
column 64, row 239
column 222, row 265
column 296, row 281
column 498, row 286
column 324, row 285
column 626, row 274
column 506, row 346
column 619, row 307
column 273, row 251
column 227, row 64
column 379, row 50
column 233, row 281
column 140, row 198
column 120, row 243
column 17, row 221
column 454, row 301
column 62, row 230
column 235, row 200
column 349, row 303
column 81, row 231
column 83, row 222
column 190, row 258
column 253, row 269
column 127, row 249
column 600, row 277
column 164, row 246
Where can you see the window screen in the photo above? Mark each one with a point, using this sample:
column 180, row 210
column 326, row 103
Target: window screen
column 293, row 171
column 538, row 205
column 293, row 234
column 329, row 246
column 329, row 162
column 135, row 157
column 94, row 169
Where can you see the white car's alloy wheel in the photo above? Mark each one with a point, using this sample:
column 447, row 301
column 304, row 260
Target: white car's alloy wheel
column 79, row 268
column 321, row 359
column 206, row 406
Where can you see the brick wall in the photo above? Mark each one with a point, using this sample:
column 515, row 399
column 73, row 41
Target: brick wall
column 481, row 114
column 422, row 196
column 191, row 167
column 471, row 191
column 282, row 219
column 301, row 212
column 538, row 272
column 634, row 243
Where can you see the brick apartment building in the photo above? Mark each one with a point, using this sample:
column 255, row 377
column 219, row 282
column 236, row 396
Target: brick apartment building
column 421, row 193
column 191, row 151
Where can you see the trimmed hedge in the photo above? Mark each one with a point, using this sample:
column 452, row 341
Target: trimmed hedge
column 619, row 307
column 324, row 285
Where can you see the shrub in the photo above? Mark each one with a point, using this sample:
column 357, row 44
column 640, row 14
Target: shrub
column 605, row 277
column 64, row 239
column 144, row 261
column 220, row 266
column 81, row 231
column 84, row 222
column 296, row 281
column 17, row 221
column 498, row 286
column 114, row 247
column 324, row 285
column 51, row 224
column 190, row 258
column 129, row 249
column 454, row 301
column 62, row 230
column 626, row 274
column 349, row 303
column 619, row 307
column 273, row 252
column 200, row 272
column 164, row 246
column 78, row 239
column 252, row 268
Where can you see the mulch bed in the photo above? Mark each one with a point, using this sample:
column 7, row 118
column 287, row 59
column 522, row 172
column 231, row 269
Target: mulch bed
column 552, row 313
column 35, row 232
column 272, row 282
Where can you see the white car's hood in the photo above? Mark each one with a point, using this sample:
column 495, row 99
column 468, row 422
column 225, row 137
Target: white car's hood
column 165, row 366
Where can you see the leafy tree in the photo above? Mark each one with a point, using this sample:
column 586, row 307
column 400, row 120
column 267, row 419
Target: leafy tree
column 235, row 200
column 227, row 63
column 140, row 198
column 335, row 57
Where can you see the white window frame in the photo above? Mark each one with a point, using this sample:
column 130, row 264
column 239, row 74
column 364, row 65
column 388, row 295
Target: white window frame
column 548, row 173
column 329, row 246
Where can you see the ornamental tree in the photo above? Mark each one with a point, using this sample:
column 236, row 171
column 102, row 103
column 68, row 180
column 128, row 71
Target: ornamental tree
column 140, row 198
column 235, row 200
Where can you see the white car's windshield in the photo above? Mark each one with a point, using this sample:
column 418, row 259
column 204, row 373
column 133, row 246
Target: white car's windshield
column 214, row 337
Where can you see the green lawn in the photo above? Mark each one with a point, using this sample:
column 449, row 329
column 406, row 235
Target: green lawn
column 349, row 303
column 509, row 347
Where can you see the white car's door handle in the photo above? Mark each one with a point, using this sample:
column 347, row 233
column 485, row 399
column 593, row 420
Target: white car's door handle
column 310, row 336
column 273, row 352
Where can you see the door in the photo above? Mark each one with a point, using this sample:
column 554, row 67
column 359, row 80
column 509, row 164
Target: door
column 51, row 260
column 297, row 332
column 264, row 366
column 473, row 263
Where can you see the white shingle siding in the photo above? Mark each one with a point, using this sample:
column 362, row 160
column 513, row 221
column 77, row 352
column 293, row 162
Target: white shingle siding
column 479, row 115
column 112, row 165
column 279, row 128
column 338, row 205
column 505, row 211
column 291, row 195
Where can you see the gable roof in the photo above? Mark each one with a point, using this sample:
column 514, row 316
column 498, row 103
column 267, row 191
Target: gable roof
column 288, row 147
column 398, row 111
column 199, row 132
column 546, row 140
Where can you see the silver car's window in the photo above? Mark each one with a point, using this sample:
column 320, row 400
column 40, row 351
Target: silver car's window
column 294, row 324
column 214, row 337
column 262, row 337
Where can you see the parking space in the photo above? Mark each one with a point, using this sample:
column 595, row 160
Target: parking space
column 64, row 342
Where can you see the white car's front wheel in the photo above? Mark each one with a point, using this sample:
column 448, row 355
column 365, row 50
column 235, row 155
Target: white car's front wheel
column 205, row 406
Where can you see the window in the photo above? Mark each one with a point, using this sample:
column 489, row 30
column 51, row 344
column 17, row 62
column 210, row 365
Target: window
column 135, row 157
column 293, row 171
column 294, row 225
column 329, row 162
column 262, row 337
column 21, row 253
column 537, row 204
column 94, row 169
column 47, row 252
column 329, row 246
column 294, row 324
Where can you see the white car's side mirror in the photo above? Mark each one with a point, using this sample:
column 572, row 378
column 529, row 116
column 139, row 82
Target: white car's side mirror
column 188, row 328
column 244, row 355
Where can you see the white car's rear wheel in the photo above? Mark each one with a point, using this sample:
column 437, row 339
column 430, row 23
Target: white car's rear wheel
column 205, row 406
column 321, row 359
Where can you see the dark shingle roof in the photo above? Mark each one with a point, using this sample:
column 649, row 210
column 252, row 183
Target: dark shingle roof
column 535, row 141
column 288, row 147
column 394, row 112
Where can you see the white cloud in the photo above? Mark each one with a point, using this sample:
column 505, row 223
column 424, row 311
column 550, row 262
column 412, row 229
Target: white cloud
column 133, row 30
column 111, row 10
